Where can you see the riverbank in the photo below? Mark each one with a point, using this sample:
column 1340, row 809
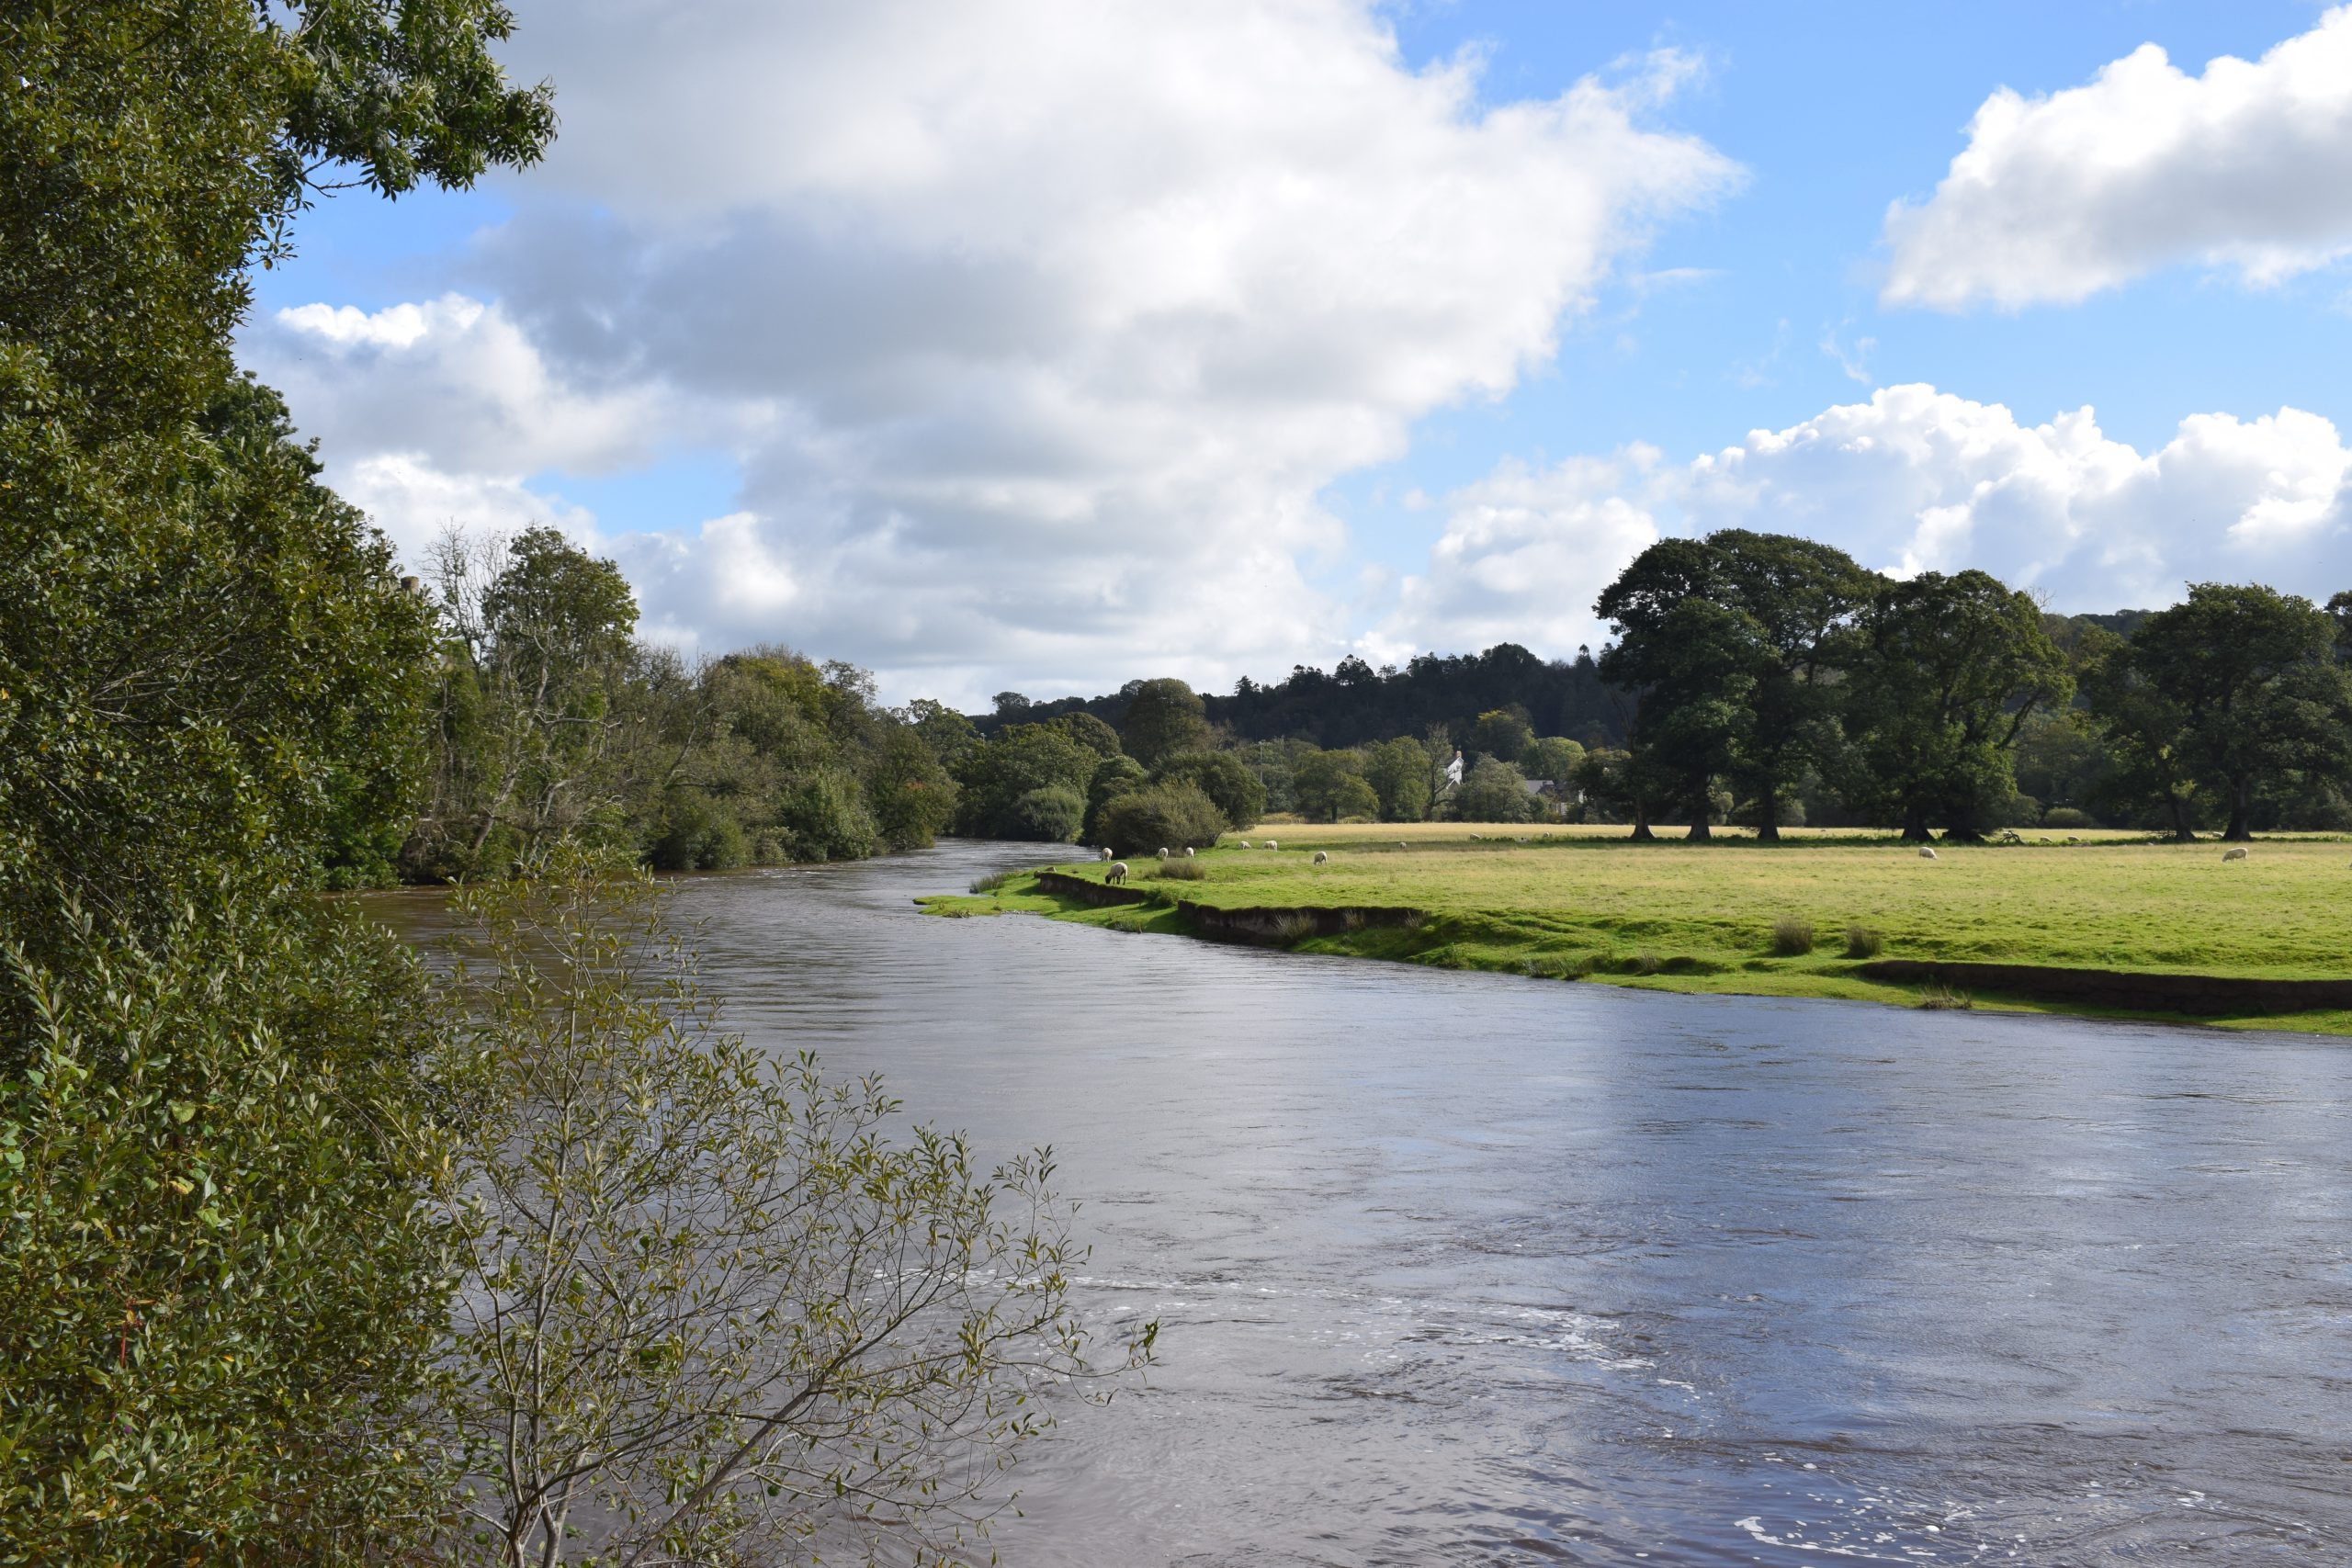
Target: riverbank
column 2113, row 925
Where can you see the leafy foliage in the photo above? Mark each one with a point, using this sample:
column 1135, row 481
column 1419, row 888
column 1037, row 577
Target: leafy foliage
column 1172, row 816
column 1220, row 775
column 710, row 1310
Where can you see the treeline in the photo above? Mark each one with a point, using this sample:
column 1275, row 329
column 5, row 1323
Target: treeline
column 1774, row 680
column 548, row 720
column 1355, row 703
column 1754, row 679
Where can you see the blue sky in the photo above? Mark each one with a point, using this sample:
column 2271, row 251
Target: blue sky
column 945, row 482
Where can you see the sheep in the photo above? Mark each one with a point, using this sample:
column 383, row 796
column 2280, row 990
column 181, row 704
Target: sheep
column 1188, row 851
column 1322, row 859
column 1163, row 852
column 1271, row 845
column 1401, row 844
column 1926, row 854
column 1117, row 873
column 2072, row 839
column 2229, row 855
column 1245, row 843
column 1106, row 854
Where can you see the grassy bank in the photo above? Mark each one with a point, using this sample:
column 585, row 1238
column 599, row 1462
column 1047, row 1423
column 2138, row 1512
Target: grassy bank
column 1582, row 903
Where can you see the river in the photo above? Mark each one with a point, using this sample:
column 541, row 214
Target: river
column 1466, row 1269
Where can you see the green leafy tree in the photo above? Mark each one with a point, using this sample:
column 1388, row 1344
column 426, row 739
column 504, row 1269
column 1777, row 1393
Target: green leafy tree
column 913, row 797
column 1948, row 672
column 1799, row 601
column 711, row 1308
column 1090, row 732
column 1398, row 771
column 1050, row 816
column 1733, row 642
column 2240, row 683
column 948, row 733
column 216, row 1287
column 1327, row 785
column 531, row 739
column 1692, row 655
column 1114, row 776
column 1623, row 785
column 1222, row 778
column 1172, row 816
column 1551, row 756
column 1019, row 759
column 1163, row 717
column 1492, row 791
column 1503, row 733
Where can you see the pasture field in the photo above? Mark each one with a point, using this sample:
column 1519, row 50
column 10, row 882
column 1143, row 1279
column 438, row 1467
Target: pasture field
column 1585, row 904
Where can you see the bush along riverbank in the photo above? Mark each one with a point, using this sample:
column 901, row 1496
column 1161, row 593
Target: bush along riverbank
column 2108, row 927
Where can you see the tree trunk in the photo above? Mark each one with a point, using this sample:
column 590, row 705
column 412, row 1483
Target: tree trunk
column 1768, row 821
column 1642, row 834
column 1699, row 830
column 1915, row 825
column 2183, row 830
column 2241, row 828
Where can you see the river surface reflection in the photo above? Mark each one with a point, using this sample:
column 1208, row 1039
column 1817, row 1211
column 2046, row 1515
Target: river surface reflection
column 1467, row 1268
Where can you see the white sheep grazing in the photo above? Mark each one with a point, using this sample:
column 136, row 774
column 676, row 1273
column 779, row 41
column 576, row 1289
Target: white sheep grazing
column 1401, row 844
column 1926, row 854
column 1163, row 854
column 1106, row 854
column 1118, row 871
column 2229, row 855
column 1320, row 858
column 1271, row 845
column 1245, row 843
column 1188, row 851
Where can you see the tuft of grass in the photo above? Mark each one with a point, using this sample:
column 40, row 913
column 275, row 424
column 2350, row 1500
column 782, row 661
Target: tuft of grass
column 1863, row 941
column 1292, row 930
column 1791, row 937
column 994, row 880
column 1183, row 871
column 1646, row 963
column 1937, row 996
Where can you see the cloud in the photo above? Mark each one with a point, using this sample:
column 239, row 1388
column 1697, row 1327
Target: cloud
column 1525, row 551
column 1035, row 330
column 1914, row 479
column 2054, row 199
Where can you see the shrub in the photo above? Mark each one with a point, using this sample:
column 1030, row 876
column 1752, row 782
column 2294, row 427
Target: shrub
column 1222, row 776
column 1861, row 941
column 1792, row 936
column 1937, row 996
column 2068, row 817
column 1162, row 815
column 825, row 815
column 1176, row 869
column 698, row 834
column 1114, row 776
column 1052, row 813
column 1291, row 929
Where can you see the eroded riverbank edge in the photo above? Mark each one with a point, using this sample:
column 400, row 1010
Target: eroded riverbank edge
column 1490, row 943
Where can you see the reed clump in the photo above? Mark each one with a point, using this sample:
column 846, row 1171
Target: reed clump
column 1863, row 941
column 1791, row 937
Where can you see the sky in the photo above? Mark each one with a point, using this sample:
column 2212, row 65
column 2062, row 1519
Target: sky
column 1006, row 344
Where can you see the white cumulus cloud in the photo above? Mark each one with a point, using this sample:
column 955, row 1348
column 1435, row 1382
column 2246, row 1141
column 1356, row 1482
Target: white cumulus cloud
column 1035, row 327
column 1914, row 479
column 2248, row 166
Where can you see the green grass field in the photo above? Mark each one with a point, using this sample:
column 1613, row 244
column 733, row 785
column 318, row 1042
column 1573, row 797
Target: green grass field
column 1583, row 903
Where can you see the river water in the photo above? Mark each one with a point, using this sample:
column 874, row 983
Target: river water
column 1466, row 1269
